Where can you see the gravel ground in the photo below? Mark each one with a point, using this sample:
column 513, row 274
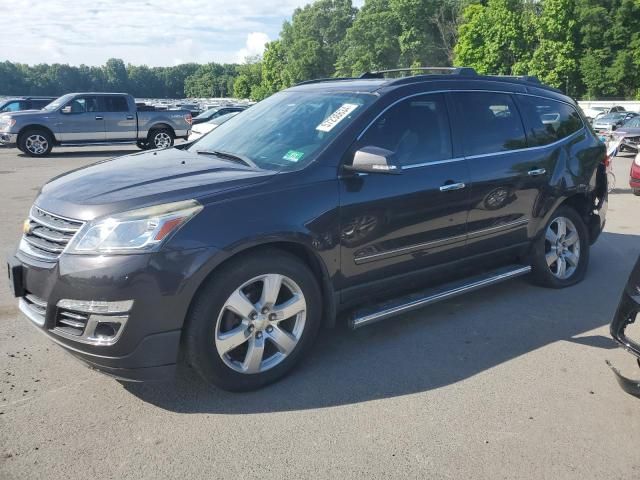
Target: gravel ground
column 508, row 382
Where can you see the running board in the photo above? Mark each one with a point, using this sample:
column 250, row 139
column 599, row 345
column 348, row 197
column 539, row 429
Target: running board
column 413, row 301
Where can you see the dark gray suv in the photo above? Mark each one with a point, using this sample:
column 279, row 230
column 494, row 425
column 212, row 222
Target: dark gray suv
column 358, row 198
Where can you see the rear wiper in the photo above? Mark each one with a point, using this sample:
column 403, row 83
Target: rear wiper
column 228, row 156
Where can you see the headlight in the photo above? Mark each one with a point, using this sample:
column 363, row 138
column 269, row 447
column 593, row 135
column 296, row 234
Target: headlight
column 135, row 231
column 6, row 123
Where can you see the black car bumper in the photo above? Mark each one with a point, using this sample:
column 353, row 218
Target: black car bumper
column 626, row 314
column 155, row 288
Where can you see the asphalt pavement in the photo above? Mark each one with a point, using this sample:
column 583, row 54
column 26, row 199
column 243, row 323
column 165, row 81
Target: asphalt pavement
column 508, row 382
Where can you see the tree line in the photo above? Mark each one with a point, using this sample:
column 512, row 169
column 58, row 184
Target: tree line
column 587, row 48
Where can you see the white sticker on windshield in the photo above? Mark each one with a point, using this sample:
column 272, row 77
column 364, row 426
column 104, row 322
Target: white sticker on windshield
column 336, row 117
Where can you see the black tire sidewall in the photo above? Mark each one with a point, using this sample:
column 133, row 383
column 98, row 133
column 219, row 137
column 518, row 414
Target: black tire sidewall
column 541, row 273
column 22, row 142
column 200, row 347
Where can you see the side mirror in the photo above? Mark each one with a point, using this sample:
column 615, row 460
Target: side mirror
column 374, row 160
column 66, row 110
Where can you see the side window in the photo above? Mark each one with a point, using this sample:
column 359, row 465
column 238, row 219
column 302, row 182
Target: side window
column 116, row 104
column 490, row 122
column 416, row 129
column 13, row 107
column 39, row 104
column 548, row 120
column 78, row 105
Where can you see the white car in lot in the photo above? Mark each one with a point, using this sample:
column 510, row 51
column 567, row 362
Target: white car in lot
column 201, row 129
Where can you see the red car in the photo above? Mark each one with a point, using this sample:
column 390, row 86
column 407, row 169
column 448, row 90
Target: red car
column 634, row 176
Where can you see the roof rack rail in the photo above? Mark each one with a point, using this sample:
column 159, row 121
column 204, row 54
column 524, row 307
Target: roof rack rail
column 524, row 78
column 444, row 70
column 328, row 79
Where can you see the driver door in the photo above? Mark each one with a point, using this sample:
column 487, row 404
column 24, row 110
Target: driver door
column 398, row 223
column 82, row 120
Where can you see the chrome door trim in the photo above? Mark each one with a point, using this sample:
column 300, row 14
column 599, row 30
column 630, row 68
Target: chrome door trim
column 498, row 228
column 409, row 249
column 437, row 243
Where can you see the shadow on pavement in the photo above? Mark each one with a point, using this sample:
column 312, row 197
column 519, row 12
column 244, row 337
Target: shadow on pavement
column 81, row 152
column 431, row 348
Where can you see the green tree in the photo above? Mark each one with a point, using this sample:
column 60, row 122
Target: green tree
column 249, row 79
column 115, row 74
column 273, row 67
column 496, row 38
column 314, row 39
column 372, row 42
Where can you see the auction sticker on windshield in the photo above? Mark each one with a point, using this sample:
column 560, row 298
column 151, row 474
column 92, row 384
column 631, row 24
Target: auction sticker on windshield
column 293, row 156
column 336, row 117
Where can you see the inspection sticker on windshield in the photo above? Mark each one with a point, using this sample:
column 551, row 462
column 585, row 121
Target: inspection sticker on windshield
column 293, row 156
column 336, row 117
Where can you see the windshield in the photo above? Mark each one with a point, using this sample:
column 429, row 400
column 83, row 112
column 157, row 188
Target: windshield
column 286, row 130
column 58, row 102
column 208, row 113
column 634, row 123
column 611, row 116
column 222, row 118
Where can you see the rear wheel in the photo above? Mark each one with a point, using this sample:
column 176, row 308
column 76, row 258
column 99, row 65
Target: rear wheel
column 160, row 138
column 636, row 191
column 561, row 255
column 253, row 321
column 36, row 143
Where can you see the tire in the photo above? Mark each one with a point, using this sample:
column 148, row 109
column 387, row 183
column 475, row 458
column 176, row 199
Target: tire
column 210, row 319
column 142, row 144
column 552, row 275
column 35, row 142
column 636, row 192
column 160, row 138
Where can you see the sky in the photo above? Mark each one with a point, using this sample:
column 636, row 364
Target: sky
column 149, row 32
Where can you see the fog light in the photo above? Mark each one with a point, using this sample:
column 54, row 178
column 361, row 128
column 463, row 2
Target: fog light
column 98, row 322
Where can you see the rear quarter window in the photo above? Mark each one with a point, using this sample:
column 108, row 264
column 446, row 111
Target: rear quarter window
column 546, row 120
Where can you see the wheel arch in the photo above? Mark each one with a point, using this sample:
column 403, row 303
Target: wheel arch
column 36, row 126
column 584, row 205
column 293, row 247
column 160, row 126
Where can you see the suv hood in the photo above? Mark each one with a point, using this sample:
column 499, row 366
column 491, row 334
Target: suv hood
column 143, row 179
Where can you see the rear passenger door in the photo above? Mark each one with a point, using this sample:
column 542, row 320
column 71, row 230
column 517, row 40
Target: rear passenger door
column 506, row 179
column 120, row 123
column 396, row 224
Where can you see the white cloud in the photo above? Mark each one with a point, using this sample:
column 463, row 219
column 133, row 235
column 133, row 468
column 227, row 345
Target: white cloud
column 254, row 45
column 152, row 32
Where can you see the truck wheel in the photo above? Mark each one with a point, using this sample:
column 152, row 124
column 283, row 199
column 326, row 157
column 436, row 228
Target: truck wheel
column 160, row 138
column 561, row 255
column 253, row 321
column 35, row 142
column 636, row 192
column 142, row 144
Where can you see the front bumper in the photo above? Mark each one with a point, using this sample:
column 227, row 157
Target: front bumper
column 161, row 286
column 8, row 139
column 626, row 314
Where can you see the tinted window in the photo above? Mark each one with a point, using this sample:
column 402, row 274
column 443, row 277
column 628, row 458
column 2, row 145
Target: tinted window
column 634, row 122
column 547, row 120
column 38, row 104
column 115, row 104
column 490, row 122
column 416, row 129
column 13, row 106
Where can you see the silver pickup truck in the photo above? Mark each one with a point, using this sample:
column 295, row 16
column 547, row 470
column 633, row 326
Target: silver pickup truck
column 79, row 119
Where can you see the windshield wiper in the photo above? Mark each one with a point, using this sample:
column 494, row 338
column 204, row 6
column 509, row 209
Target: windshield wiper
column 228, row 156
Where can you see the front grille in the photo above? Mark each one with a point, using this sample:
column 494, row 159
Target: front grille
column 71, row 323
column 48, row 234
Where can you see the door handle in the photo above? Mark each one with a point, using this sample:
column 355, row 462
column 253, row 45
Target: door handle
column 537, row 171
column 129, row 117
column 452, row 186
column 98, row 117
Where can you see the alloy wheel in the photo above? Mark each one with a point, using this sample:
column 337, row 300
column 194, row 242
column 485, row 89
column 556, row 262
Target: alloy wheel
column 562, row 247
column 260, row 324
column 36, row 144
column 162, row 140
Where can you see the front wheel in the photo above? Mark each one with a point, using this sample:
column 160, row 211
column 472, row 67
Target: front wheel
column 253, row 321
column 35, row 143
column 561, row 255
column 160, row 138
